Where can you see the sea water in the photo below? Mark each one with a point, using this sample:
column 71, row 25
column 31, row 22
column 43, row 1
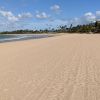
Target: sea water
column 9, row 37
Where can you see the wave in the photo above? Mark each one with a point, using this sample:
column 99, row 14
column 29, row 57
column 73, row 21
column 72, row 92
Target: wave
column 21, row 37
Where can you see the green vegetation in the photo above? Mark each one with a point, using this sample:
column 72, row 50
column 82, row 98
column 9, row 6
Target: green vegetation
column 88, row 28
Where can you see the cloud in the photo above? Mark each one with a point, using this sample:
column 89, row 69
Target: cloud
column 85, row 19
column 89, row 17
column 25, row 15
column 9, row 22
column 56, row 8
column 41, row 15
column 98, row 13
column 9, row 15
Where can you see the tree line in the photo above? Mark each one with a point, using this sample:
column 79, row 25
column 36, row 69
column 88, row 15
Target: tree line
column 87, row 28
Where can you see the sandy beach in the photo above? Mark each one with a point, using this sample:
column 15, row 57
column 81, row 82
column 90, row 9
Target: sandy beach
column 65, row 67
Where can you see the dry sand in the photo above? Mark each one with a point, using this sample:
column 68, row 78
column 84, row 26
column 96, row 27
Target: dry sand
column 64, row 67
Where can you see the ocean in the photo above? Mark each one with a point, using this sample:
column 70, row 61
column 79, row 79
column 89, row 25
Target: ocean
column 9, row 37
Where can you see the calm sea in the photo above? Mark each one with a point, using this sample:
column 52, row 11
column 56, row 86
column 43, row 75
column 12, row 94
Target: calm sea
column 9, row 38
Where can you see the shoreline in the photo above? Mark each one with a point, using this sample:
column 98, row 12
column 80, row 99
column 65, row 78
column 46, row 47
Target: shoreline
column 22, row 37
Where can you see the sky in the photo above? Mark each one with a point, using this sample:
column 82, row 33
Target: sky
column 41, row 14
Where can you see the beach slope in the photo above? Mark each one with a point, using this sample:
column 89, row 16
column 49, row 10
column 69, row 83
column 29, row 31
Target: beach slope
column 63, row 67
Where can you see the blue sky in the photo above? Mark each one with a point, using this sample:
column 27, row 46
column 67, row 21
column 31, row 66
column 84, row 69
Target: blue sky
column 39, row 14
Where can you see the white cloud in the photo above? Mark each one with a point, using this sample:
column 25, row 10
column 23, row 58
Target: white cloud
column 55, row 8
column 98, row 13
column 9, row 15
column 90, row 17
column 9, row 22
column 25, row 15
column 75, row 21
column 41, row 15
column 88, row 14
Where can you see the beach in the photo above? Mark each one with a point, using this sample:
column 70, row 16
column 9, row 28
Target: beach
column 65, row 67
